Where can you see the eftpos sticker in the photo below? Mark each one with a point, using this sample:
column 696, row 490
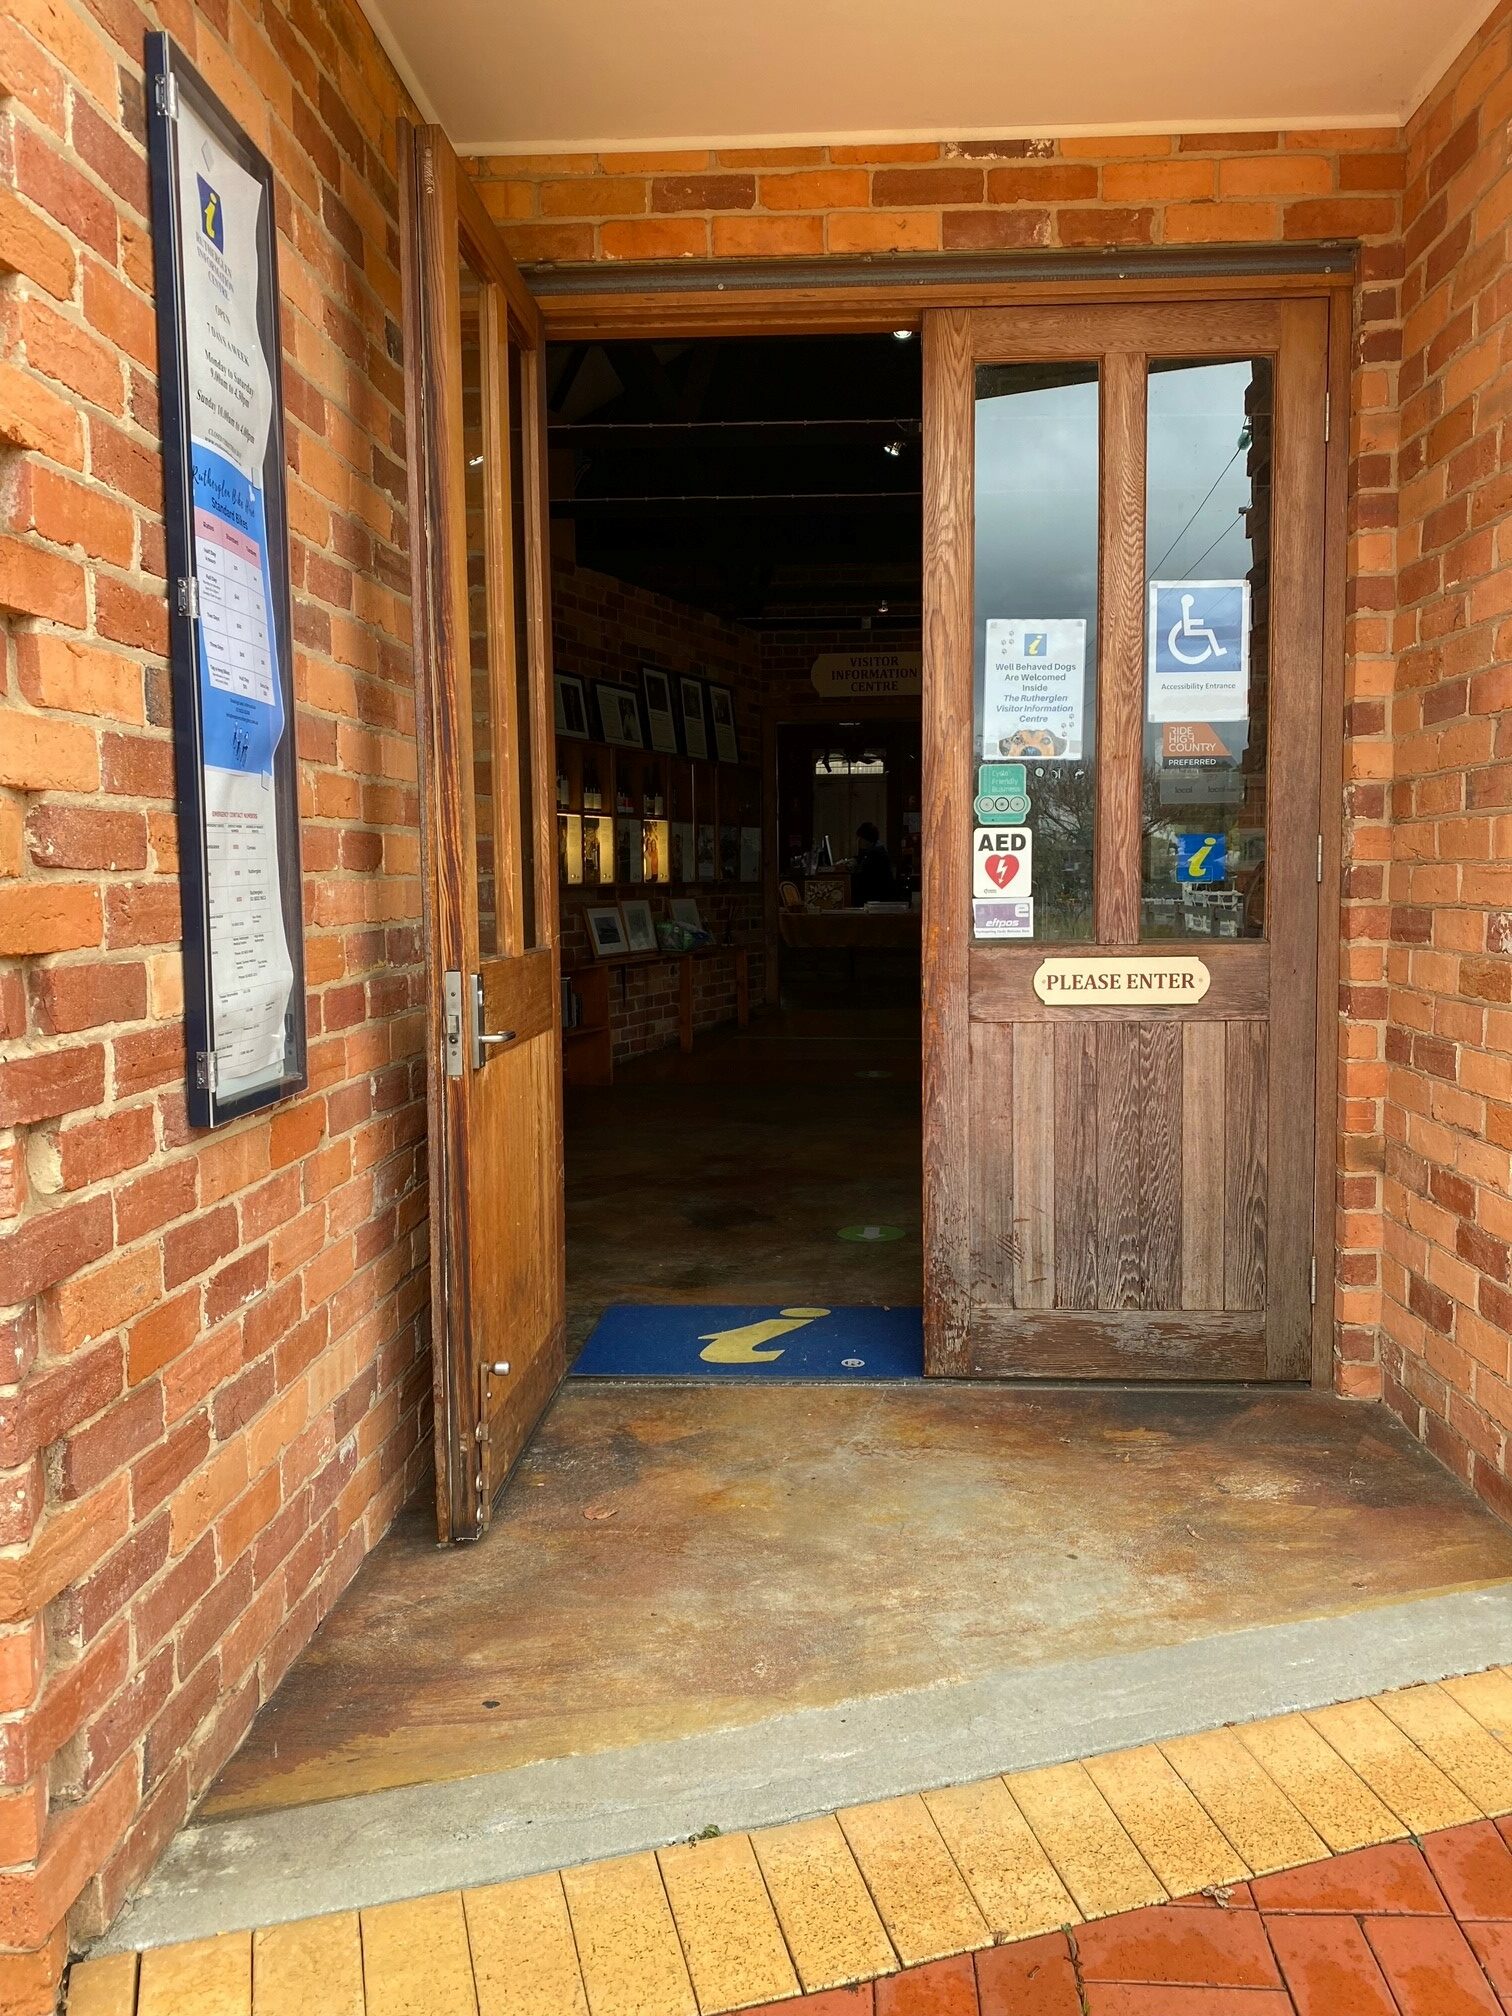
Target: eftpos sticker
column 1001, row 797
column 1201, row 857
column 1002, row 861
column 997, row 919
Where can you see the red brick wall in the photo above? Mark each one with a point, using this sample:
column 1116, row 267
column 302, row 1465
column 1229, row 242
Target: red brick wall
column 1446, row 1300
column 608, row 629
column 216, row 1347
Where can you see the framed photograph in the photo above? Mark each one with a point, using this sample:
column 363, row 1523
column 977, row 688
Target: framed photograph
column 640, row 926
column 619, row 715
column 722, row 712
column 606, row 928
column 690, row 702
column 682, row 855
column 661, row 721
column 571, row 707
column 684, row 910
column 629, row 851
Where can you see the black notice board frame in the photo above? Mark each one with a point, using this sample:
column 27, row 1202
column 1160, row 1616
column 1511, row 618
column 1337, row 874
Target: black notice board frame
column 172, row 82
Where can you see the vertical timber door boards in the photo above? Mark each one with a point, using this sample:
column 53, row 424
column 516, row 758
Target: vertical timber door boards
column 1120, row 1188
column 480, row 575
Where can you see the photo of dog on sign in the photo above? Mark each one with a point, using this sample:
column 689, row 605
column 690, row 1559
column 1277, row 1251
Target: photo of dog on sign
column 1033, row 744
column 1002, row 862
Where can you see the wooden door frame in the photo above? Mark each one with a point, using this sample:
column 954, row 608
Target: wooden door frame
column 715, row 298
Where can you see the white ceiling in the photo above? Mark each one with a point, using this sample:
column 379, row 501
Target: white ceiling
column 549, row 76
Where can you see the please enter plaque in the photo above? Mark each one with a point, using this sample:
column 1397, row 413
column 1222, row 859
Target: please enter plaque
column 1142, row 982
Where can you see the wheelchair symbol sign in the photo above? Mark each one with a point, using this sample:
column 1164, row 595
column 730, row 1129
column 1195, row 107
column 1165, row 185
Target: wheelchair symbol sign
column 1199, row 650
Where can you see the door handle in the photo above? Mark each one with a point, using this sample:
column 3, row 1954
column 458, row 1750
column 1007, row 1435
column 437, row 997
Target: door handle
column 483, row 1045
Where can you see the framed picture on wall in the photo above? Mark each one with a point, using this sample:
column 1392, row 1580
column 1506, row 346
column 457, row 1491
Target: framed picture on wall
column 690, row 703
column 684, row 910
column 722, row 712
column 606, row 928
column 640, row 926
column 661, row 721
column 619, row 715
column 571, row 707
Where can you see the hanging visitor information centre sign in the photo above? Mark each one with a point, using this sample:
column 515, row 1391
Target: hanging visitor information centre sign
column 215, row 260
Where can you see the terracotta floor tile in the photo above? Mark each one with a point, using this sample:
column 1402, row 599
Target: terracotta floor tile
column 1329, row 1968
column 1431, row 1969
column 1474, row 1869
column 1124, row 1998
column 1390, row 1878
column 1492, row 1946
column 1179, row 1944
column 942, row 1988
column 1222, row 1897
column 1034, row 1977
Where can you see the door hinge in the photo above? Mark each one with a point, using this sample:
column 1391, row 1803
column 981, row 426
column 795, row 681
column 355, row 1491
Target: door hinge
column 204, row 1070
column 165, row 95
column 1327, row 415
column 1320, row 857
column 186, row 595
column 451, row 1022
column 1312, row 1281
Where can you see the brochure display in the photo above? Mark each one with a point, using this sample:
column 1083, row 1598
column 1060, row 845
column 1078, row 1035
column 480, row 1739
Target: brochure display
column 214, row 248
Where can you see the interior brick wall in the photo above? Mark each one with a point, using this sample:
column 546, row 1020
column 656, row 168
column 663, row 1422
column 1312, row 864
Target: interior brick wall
column 1446, row 1194
column 215, row 1347
column 603, row 628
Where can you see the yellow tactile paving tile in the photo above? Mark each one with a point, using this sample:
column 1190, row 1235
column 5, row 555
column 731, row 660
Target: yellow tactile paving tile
column 1173, row 1833
column 731, row 1923
column 1085, row 1839
column 919, row 1893
column 1248, row 1807
column 1008, row 1873
column 823, row 1905
column 415, row 1958
column 1334, row 1801
column 523, row 1952
column 103, row 1987
column 310, row 1968
column 1393, row 1766
column 627, row 1944
column 203, row 1977
column 1459, row 1745
column 1488, row 1697
column 731, row 1940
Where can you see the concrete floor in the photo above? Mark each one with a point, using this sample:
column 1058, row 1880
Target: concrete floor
column 762, row 1146
column 675, row 1560
column 737, row 1604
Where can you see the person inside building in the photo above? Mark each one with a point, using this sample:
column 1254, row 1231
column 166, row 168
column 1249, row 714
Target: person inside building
column 872, row 875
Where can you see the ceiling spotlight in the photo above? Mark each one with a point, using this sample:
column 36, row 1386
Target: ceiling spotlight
column 881, row 608
column 893, row 448
column 904, row 335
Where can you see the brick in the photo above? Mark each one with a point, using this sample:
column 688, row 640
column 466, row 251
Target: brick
column 1329, row 1968
column 51, row 1083
column 80, row 836
column 162, row 1334
column 33, row 416
column 30, row 246
column 36, row 582
column 48, row 917
column 1174, row 1945
column 1031, row 1977
column 50, row 1244
column 76, row 677
column 67, row 999
column 1430, row 1968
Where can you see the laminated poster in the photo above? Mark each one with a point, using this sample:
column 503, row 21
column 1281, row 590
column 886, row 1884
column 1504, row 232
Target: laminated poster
column 1035, row 691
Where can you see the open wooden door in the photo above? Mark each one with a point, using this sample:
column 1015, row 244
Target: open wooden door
column 1123, row 594
column 476, row 428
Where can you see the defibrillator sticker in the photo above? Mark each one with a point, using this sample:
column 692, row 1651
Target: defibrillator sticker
column 1003, row 861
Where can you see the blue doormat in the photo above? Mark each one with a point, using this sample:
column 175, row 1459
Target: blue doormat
column 682, row 1340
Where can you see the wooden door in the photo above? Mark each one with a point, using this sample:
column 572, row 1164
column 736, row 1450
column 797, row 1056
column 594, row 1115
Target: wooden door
column 482, row 641
column 1120, row 1169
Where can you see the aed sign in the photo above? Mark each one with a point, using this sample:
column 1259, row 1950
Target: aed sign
column 1135, row 983
column 1002, row 861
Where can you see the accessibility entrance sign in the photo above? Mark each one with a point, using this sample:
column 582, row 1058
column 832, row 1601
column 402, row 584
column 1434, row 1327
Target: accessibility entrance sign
column 1199, row 651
